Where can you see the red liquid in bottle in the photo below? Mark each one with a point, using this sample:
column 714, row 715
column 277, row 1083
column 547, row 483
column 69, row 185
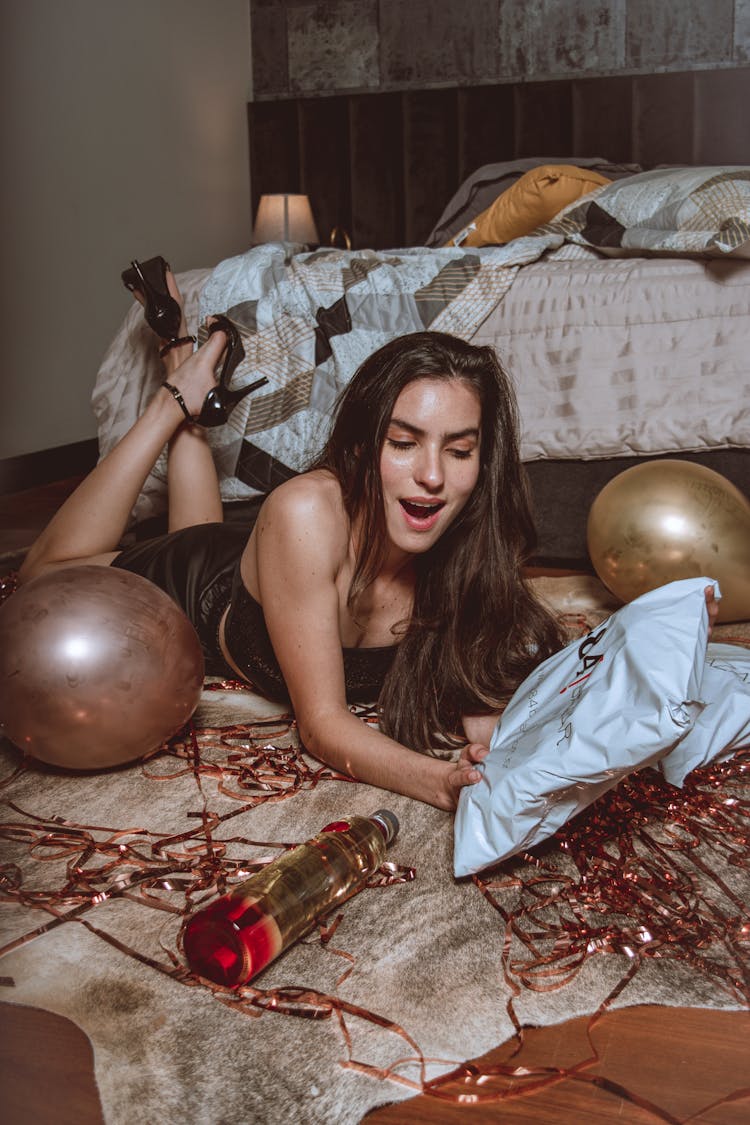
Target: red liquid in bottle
column 238, row 935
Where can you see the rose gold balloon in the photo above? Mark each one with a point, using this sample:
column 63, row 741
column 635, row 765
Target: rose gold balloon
column 664, row 520
column 97, row 666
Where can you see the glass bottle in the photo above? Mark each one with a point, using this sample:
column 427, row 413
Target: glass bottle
column 240, row 933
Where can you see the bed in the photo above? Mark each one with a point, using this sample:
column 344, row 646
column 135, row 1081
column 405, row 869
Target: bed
column 622, row 317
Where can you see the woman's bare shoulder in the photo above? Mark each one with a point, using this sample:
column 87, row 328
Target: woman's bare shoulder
column 317, row 490
column 309, row 503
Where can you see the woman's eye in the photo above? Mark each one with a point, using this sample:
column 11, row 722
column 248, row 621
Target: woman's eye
column 396, row 444
column 461, row 454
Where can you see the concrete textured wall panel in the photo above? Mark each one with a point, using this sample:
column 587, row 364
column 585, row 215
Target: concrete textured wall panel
column 742, row 31
column 516, row 38
column 333, row 46
column 270, row 65
column 564, row 39
column 680, row 32
column 424, row 42
column 303, row 47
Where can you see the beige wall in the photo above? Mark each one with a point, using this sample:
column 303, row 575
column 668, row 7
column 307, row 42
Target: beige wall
column 124, row 135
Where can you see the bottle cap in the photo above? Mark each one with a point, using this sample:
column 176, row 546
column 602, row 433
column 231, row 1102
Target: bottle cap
column 388, row 822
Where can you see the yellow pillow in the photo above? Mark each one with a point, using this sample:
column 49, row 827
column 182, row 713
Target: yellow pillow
column 534, row 199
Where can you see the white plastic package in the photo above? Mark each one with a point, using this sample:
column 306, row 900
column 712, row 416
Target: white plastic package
column 723, row 725
column 617, row 700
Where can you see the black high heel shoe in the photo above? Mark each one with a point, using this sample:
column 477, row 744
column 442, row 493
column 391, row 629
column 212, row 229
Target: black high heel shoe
column 220, row 401
column 162, row 312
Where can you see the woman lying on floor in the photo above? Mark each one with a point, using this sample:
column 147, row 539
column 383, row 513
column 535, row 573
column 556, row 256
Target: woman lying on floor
column 390, row 570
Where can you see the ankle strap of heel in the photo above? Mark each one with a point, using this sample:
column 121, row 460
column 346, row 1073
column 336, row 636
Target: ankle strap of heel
column 176, row 343
column 178, row 399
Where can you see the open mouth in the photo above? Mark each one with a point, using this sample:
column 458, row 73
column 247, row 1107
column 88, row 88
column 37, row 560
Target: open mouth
column 422, row 514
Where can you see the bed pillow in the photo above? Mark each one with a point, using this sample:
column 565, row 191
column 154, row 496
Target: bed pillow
column 536, row 198
column 671, row 211
column 483, row 186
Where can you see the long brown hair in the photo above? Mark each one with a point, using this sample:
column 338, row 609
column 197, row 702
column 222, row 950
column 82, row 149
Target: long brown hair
column 476, row 629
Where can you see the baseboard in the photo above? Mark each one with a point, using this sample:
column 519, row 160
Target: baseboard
column 30, row 470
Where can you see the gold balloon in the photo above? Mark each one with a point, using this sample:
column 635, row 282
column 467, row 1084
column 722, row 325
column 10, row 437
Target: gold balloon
column 664, row 520
column 97, row 667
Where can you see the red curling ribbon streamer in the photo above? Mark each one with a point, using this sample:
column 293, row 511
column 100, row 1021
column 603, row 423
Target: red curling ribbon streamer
column 638, row 874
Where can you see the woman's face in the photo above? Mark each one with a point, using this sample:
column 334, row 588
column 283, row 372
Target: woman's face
column 429, row 463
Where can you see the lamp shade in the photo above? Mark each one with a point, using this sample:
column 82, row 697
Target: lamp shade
column 284, row 218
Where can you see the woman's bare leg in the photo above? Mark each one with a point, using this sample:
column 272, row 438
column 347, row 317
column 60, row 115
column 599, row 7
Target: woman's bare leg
column 192, row 482
column 90, row 524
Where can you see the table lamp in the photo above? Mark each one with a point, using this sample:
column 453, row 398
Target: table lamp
column 285, row 218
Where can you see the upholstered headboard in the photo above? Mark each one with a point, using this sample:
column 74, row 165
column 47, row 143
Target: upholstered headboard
column 382, row 166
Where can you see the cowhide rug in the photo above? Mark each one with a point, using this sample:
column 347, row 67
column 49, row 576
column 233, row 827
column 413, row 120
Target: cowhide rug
column 638, row 901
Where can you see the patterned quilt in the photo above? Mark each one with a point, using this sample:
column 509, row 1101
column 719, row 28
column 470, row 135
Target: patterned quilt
column 307, row 321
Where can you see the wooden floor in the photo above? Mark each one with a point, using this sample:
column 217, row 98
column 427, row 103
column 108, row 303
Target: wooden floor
column 677, row 1060
column 24, row 514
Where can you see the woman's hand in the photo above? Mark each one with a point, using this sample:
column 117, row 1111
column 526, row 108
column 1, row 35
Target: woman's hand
column 463, row 772
column 713, row 609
